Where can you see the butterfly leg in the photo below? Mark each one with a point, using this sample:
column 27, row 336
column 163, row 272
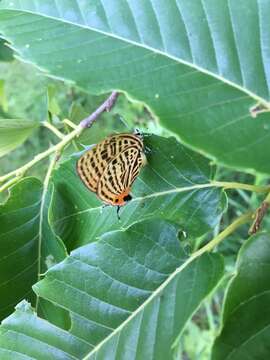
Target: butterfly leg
column 147, row 150
column 103, row 206
column 117, row 212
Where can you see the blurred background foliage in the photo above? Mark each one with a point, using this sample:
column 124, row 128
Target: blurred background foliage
column 28, row 94
column 25, row 93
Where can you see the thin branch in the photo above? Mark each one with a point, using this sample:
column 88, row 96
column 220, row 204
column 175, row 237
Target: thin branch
column 85, row 123
column 69, row 123
column 258, row 218
column 9, row 183
column 41, row 216
column 226, row 185
column 106, row 106
column 229, row 229
column 259, row 215
column 53, row 129
column 21, row 171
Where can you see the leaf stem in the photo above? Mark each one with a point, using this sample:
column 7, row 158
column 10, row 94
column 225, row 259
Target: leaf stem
column 69, row 123
column 267, row 199
column 20, row 171
column 245, row 218
column 53, row 129
column 9, row 183
column 226, row 185
column 41, row 216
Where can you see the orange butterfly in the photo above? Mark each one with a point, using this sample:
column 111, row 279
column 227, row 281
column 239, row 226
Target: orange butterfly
column 110, row 167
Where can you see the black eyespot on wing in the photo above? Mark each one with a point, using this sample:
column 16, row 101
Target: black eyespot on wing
column 127, row 197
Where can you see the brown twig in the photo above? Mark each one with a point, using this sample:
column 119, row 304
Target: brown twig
column 85, row 123
column 106, row 106
column 258, row 217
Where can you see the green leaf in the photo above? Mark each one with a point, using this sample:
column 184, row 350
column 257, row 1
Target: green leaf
column 24, row 336
column 175, row 185
column 129, row 296
column 13, row 132
column 190, row 61
column 19, row 218
column 26, row 243
column 130, row 293
column 53, row 106
column 246, row 317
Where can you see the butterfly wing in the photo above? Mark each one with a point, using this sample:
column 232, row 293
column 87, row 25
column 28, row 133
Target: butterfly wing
column 93, row 162
column 124, row 141
column 91, row 165
column 119, row 175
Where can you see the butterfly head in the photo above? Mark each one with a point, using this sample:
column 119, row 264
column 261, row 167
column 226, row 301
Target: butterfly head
column 127, row 198
column 138, row 132
column 123, row 198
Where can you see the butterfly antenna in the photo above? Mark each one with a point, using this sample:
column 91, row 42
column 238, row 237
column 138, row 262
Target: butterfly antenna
column 87, row 147
column 103, row 206
column 123, row 121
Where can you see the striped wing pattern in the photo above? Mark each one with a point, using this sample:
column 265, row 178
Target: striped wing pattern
column 118, row 176
column 110, row 167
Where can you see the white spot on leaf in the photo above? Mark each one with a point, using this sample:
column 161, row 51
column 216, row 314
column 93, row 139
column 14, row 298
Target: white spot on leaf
column 50, row 261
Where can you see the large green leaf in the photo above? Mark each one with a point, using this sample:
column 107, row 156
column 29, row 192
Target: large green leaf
column 19, row 218
column 175, row 185
column 27, row 244
column 130, row 293
column 246, row 317
column 190, row 61
column 24, row 336
column 13, row 132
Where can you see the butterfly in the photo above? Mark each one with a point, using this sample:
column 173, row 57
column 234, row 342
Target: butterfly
column 110, row 167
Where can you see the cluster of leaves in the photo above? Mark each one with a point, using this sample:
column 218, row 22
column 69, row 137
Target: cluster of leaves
column 99, row 288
